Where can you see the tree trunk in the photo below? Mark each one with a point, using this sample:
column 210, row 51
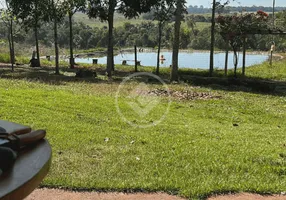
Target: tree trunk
column 37, row 46
column 36, row 36
column 244, row 56
column 176, row 42
column 271, row 58
column 110, row 57
column 12, row 50
column 136, row 63
column 212, row 39
column 159, row 47
column 71, row 41
column 235, row 62
column 226, row 58
column 56, row 45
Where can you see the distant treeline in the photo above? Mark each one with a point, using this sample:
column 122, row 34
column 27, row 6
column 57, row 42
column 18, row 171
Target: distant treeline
column 143, row 34
column 229, row 9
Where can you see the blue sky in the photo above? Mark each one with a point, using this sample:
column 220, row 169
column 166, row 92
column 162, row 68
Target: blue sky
column 208, row 3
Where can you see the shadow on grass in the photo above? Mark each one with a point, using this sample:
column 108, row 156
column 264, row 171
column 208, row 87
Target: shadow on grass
column 194, row 77
column 45, row 75
column 230, row 83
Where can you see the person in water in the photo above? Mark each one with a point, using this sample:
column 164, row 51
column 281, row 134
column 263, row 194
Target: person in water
column 162, row 59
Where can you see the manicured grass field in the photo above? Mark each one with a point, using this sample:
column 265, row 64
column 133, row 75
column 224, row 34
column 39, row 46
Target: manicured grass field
column 233, row 143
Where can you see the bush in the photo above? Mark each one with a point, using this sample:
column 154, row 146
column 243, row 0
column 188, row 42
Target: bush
column 22, row 60
column 4, row 58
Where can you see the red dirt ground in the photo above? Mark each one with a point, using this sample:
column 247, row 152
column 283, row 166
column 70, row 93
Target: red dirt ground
column 55, row 194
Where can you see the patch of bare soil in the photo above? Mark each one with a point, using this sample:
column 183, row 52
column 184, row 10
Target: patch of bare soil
column 5, row 65
column 55, row 194
column 278, row 56
column 185, row 95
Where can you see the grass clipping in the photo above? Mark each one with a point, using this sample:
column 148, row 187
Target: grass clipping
column 184, row 95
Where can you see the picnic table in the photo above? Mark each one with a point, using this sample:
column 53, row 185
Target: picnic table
column 30, row 168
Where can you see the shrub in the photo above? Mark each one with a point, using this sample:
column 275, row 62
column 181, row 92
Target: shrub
column 4, row 58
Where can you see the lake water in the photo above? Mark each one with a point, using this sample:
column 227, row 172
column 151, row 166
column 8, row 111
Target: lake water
column 198, row 60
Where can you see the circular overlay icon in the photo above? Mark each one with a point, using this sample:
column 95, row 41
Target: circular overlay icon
column 140, row 104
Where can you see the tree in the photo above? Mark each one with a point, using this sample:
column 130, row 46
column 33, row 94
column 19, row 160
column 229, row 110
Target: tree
column 235, row 30
column 30, row 13
column 217, row 6
column 8, row 19
column 281, row 20
column 55, row 16
column 72, row 6
column 191, row 23
column 212, row 39
column 163, row 11
column 105, row 9
column 180, row 10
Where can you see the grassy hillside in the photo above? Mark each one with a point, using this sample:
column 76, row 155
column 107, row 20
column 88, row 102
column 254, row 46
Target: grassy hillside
column 119, row 20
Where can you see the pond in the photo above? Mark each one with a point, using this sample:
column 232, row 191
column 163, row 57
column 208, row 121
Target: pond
column 199, row 60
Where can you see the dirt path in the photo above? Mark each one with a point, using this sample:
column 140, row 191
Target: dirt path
column 5, row 65
column 247, row 196
column 54, row 194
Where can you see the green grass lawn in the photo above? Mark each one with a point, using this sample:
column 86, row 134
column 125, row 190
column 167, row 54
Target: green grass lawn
column 275, row 72
column 234, row 143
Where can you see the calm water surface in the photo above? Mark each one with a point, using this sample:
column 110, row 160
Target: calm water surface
column 198, row 60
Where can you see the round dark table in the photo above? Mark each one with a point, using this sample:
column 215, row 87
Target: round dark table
column 30, row 168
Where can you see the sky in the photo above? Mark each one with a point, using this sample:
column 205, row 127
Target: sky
column 208, row 3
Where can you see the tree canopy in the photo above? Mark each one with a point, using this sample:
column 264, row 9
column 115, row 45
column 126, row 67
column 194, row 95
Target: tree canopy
column 129, row 8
